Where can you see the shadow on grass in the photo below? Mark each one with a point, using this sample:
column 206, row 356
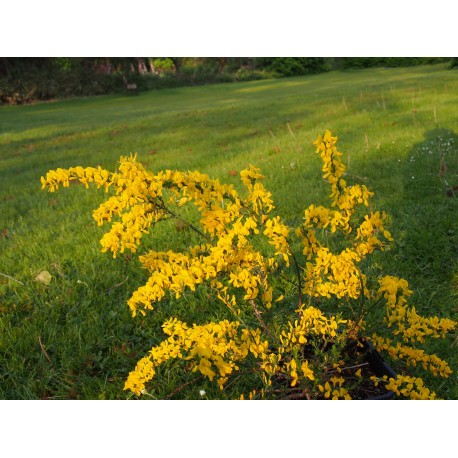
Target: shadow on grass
column 425, row 228
column 428, row 249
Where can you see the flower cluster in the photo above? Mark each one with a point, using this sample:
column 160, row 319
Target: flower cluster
column 409, row 324
column 212, row 349
column 413, row 356
column 404, row 385
column 334, row 389
column 297, row 313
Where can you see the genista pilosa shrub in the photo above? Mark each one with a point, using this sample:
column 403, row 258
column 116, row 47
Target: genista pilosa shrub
column 299, row 301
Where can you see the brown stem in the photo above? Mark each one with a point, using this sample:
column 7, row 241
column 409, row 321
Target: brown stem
column 181, row 387
column 174, row 215
column 302, row 394
column 43, row 350
column 108, row 291
column 349, row 367
column 261, row 321
column 298, row 273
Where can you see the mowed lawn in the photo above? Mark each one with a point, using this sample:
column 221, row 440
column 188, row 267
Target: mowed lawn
column 75, row 338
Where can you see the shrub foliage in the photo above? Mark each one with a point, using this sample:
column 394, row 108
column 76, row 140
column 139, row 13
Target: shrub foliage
column 295, row 304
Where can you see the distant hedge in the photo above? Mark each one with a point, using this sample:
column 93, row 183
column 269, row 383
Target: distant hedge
column 24, row 80
column 295, row 66
column 368, row 62
column 453, row 62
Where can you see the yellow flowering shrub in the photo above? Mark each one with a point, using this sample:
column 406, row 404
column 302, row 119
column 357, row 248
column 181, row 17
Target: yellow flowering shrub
column 297, row 299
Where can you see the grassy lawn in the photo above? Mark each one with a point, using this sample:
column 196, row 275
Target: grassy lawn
column 75, row 338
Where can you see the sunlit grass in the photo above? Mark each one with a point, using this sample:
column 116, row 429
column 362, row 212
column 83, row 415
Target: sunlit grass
column 397, row 128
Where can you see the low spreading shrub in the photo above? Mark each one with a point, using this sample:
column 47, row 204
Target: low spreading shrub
column 296, row 305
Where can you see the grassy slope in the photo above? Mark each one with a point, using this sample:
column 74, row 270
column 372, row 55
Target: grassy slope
column 394, row 126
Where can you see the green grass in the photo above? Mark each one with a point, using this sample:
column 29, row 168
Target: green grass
column 395, row 126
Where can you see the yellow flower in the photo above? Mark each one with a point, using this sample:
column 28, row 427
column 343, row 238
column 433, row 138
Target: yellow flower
column 205, row 368
column 307, row 371
column 245, row 255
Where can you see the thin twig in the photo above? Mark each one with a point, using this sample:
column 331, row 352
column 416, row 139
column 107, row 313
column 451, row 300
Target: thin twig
column 191, row 226
column 295, row 393
column 108, row 291
column 290, row 130
column 11, row 278
column 43, row 350
column 288, row 280
column 349, row 367
column 302, row 394
column 355, row 177
column 181, row 387
column 298, row 273
column 261, row 321
column 238, row 374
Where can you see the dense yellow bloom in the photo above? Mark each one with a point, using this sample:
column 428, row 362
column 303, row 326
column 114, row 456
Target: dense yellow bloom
column 334, row 389
column 143, row 373
column 334, row 274
column 413, row 356
column 278, row 234
column 307, row 371
column 322, row 217
column 312, row 321
column 344, row 197
column 248, row 261
column 408, row 323
column 412, row 387
column 212, row 349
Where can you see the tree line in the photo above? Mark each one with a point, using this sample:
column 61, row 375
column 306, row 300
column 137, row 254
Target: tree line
column 24, row 79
